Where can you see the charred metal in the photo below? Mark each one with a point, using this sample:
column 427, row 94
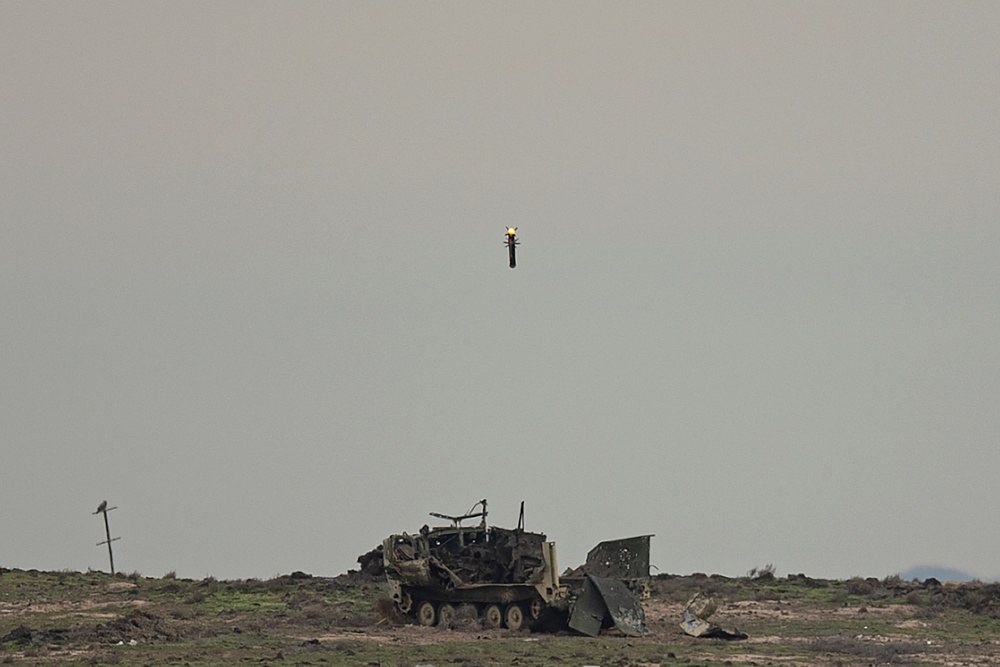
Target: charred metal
column 510, row 577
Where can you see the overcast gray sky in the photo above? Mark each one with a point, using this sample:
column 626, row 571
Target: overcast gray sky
column 255, row 293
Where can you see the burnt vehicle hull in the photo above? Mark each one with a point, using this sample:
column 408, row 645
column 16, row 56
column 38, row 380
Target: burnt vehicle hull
column 508, row 577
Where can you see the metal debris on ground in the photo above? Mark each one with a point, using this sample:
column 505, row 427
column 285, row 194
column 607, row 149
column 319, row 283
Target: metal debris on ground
column 608, row 603
column 697, row 611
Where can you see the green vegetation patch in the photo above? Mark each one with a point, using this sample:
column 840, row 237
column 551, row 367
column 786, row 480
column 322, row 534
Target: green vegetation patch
column 86, row 618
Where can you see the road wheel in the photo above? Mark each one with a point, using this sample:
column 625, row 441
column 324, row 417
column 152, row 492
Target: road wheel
column 426, row 614
column 537, row 605
column 492, row 616
column 446, row 615
column 514, row 616
column 405, row 603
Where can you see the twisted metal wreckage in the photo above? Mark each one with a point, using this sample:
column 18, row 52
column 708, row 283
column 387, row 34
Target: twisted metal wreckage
column 510, row 578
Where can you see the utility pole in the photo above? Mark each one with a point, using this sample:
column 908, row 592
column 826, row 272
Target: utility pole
column 104, row 509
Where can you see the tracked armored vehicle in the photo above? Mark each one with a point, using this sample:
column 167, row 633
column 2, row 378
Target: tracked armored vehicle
column 509, row 577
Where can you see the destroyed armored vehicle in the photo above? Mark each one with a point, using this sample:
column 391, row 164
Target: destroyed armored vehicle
column 510, row 578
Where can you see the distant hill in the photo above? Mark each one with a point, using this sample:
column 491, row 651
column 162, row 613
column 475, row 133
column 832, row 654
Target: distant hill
column 922, row 572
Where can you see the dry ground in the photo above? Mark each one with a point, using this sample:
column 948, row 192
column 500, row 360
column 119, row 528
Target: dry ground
column 80, row 618
column 912, row 641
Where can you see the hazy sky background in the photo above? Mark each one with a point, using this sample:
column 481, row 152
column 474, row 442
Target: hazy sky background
column 255, row 293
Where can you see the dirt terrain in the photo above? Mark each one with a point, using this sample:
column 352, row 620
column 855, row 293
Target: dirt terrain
column 92, row 618
column 890, row 634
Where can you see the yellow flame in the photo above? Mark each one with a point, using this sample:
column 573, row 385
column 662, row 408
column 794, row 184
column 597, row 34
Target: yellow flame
column 511, row 231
